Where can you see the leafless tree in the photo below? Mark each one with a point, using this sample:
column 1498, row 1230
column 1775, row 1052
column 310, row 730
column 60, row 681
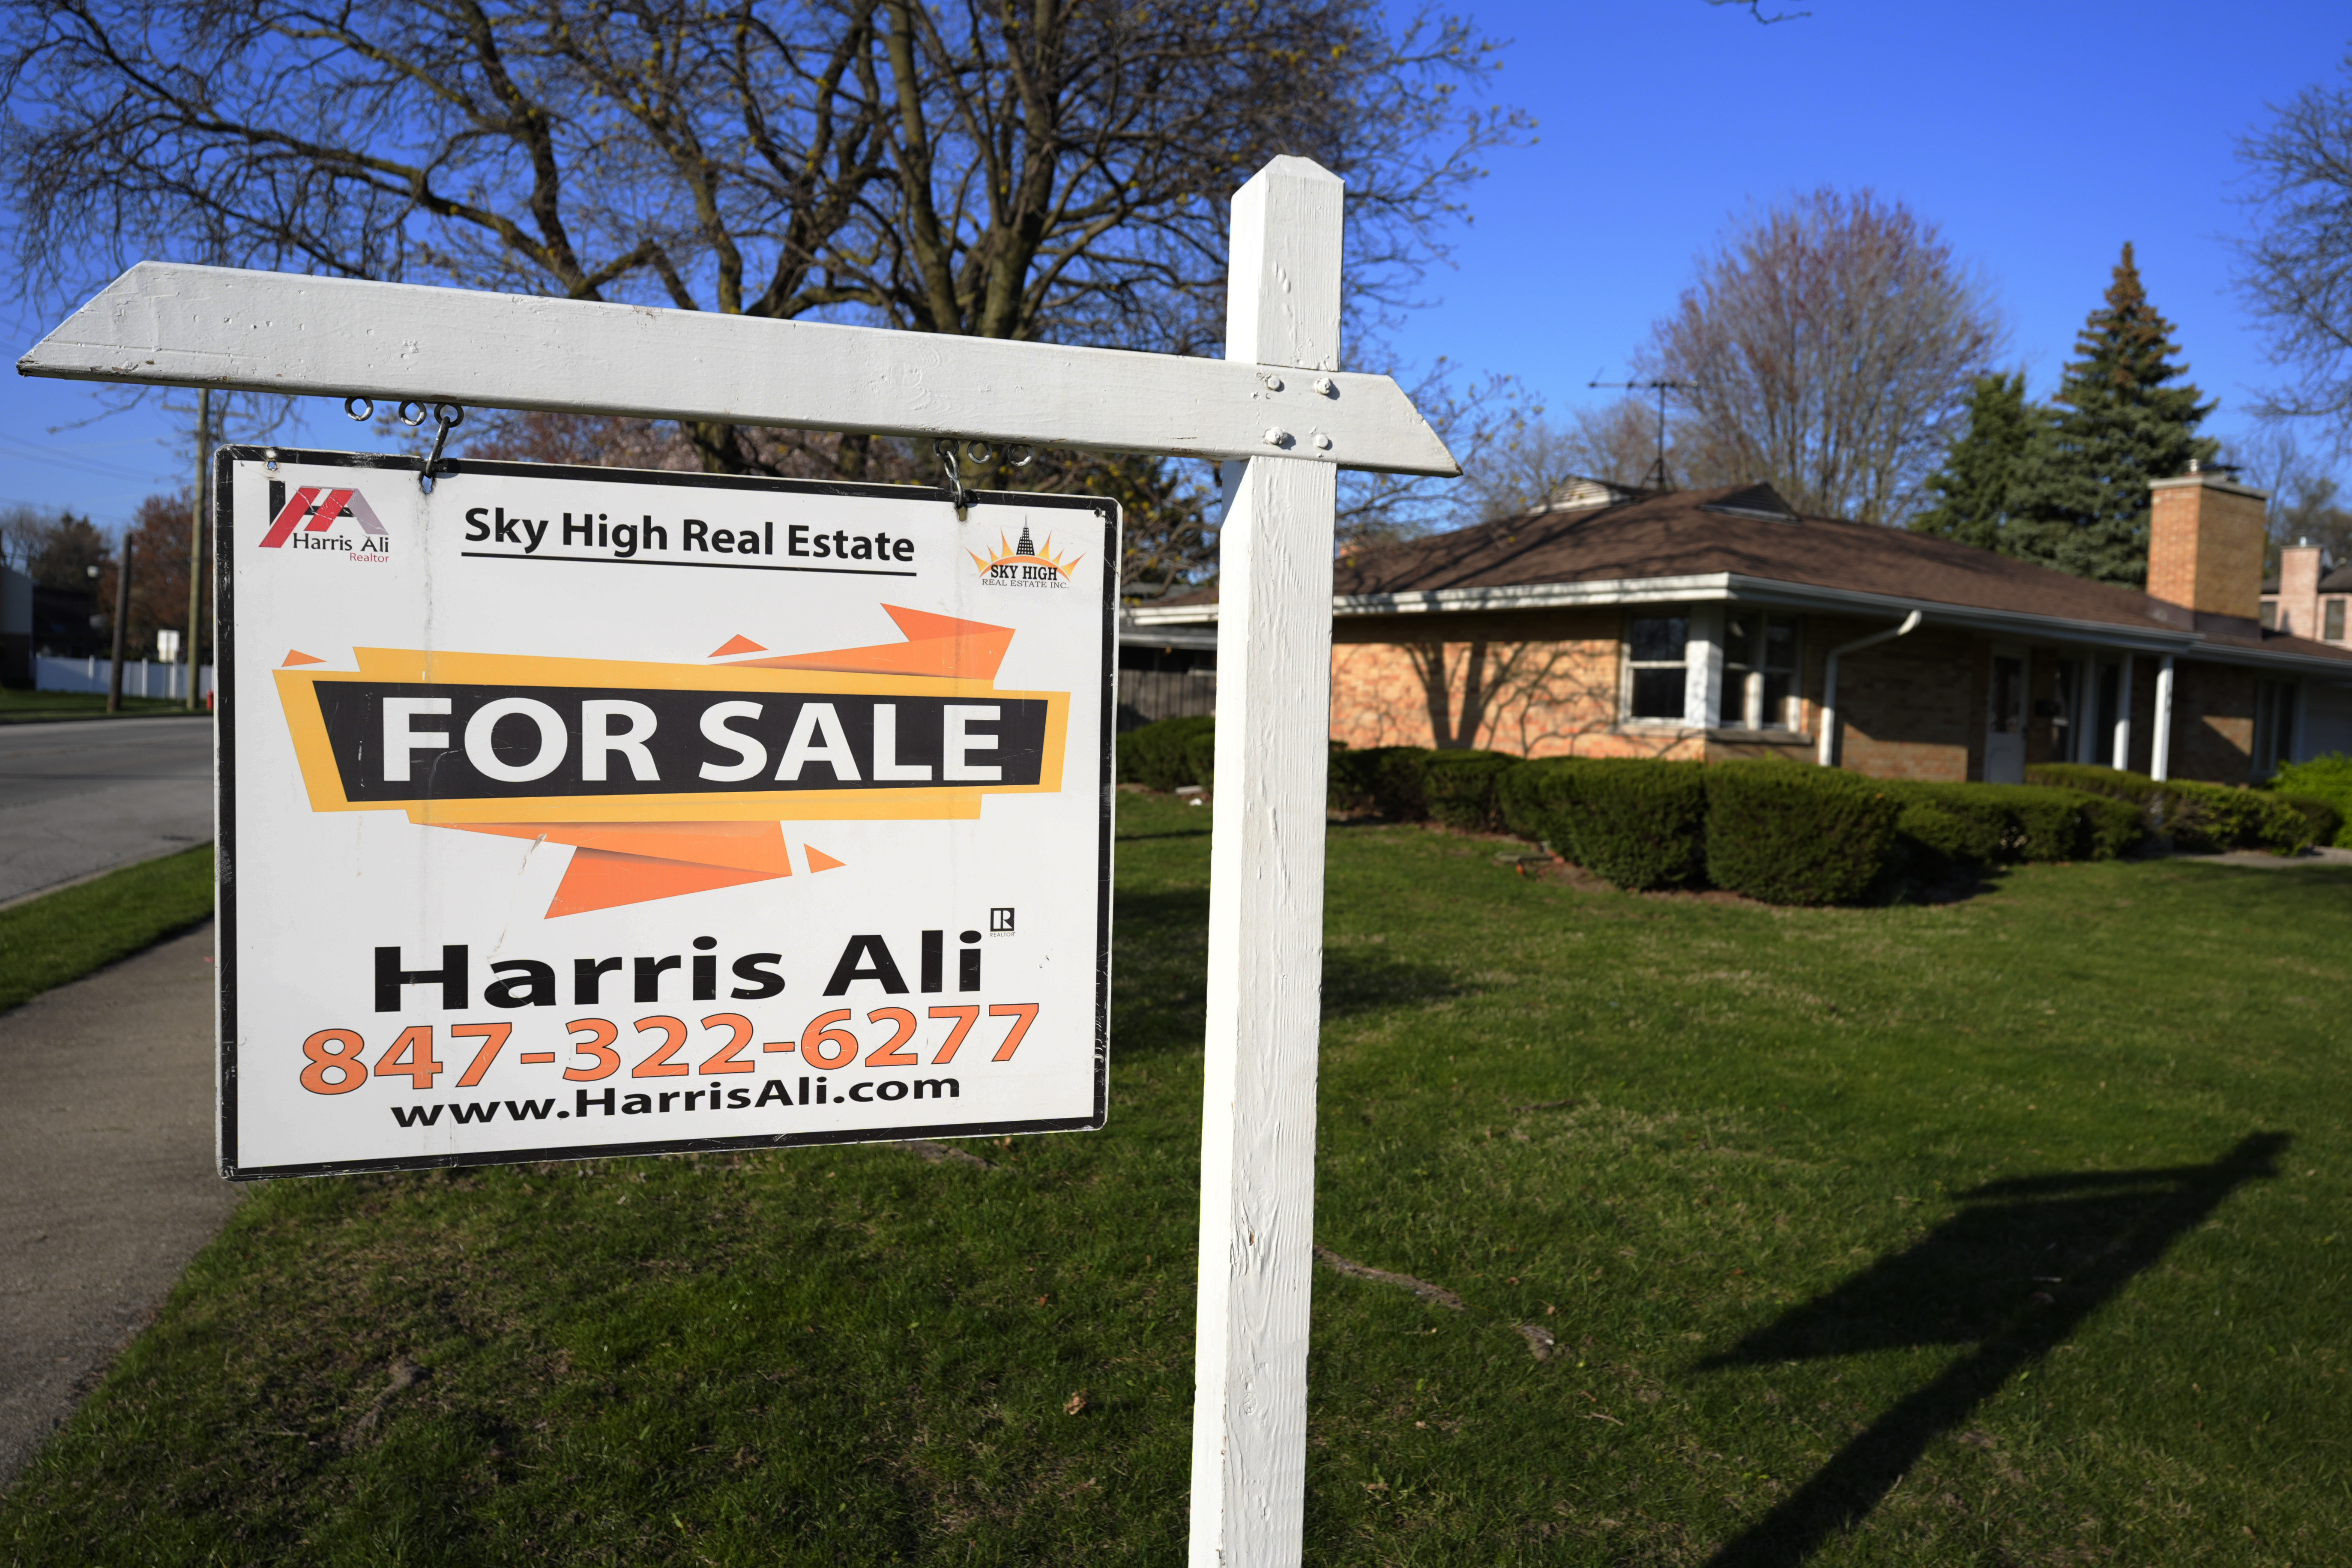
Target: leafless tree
column 2295, row 266
column 1831, row 343
column 22, row 530
column 1057, row 169
column 2305, row 497
column 1532, row 457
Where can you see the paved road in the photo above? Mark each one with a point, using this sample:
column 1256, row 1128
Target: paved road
column 81, row 799
column 107, row 1181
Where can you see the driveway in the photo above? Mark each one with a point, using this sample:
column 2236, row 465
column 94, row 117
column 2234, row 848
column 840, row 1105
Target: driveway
column 81, row 799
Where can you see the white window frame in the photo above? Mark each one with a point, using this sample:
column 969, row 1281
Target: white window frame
column 1695, row 671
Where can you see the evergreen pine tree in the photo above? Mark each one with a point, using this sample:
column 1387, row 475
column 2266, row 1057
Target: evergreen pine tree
column 2080, row 502
column 1980, row 469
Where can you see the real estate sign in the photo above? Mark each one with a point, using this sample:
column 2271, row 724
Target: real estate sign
column 573, row 811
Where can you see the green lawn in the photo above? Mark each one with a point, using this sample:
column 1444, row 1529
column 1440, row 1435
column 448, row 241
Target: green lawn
column 21, row 707
column 2006, row 1232
column 66, row 934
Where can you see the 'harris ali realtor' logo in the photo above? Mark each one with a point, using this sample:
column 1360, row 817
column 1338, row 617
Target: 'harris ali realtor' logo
column 1024, row 566
column 306, row 519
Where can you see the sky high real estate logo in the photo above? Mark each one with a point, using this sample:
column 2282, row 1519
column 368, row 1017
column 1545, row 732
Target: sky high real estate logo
column 1025, row 564
column 306, row 519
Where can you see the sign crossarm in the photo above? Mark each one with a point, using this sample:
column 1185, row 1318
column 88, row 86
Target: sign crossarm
column 174, row 324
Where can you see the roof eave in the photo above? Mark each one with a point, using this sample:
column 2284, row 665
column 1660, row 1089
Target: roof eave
column 1776, row 594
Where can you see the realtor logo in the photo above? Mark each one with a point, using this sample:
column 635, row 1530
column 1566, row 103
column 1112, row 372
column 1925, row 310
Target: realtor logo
column 314, row 509
column 1025, row 564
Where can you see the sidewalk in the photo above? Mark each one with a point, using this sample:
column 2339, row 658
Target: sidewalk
column 107, row 1181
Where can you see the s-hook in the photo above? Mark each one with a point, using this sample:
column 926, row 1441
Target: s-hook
column 448, row 416
column 1019, row 454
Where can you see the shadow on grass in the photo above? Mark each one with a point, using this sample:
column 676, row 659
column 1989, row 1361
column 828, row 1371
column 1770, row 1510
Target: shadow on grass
column 2014, row 1274
column 1161, row 966
column 1359, row 980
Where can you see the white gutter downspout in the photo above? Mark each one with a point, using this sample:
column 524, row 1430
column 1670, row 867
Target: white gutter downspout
column 2161, row 751
column 1829, row 740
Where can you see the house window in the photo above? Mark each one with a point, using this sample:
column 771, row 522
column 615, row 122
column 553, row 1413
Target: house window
column 2270, row 615
column 1760, row 671
column 2335, row 631
column 1657, row 657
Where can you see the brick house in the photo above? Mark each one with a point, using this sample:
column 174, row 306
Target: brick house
column 2307, row 598
column 1720, row 623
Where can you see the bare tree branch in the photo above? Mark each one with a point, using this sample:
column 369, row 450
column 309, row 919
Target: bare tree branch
column 1756, row 9
column 1830, row 344
column 2295, row 267
column 1057, row 169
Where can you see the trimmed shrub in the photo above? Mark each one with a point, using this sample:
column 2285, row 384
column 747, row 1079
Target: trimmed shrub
column 1522, row 795
column 2113, row 826
column 2321, row 822
column 1998, row 824
column 1382, row 779
column 1459, row 788
column 1393, row 781
column 1937, row 836
column 1160, row 756
column 2200, row 816
column 1201, row 755
column 1637, row 823
column 1787, row 833
column 2325, row 778
column 2092, row 779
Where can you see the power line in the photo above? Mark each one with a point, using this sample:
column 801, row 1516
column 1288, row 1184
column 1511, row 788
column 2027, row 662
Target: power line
column 27, row 451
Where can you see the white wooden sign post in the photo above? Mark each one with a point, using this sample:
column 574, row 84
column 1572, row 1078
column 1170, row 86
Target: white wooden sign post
column 1279, row 413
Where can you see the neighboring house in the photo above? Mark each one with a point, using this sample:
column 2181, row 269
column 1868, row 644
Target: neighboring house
column 1720, row 623
column 1165, row 672
column 2306, row 597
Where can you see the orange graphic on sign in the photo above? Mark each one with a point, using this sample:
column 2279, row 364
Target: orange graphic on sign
column 630, row 848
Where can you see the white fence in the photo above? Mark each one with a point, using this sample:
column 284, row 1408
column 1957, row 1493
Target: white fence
column 146, row 678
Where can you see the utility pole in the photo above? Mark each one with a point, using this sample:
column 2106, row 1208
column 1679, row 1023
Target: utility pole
column 196, row 539
column 122, row 616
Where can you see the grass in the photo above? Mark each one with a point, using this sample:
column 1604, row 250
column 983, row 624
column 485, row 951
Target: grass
column 21, row 707
column 66, row 934
column 2006, row 1232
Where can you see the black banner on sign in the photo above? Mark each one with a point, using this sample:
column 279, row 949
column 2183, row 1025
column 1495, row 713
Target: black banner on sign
column 433, row 742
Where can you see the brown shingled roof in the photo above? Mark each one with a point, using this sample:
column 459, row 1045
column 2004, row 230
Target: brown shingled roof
column 1693, row 532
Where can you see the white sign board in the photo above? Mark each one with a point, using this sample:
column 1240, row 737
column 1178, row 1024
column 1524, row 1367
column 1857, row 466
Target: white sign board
column 569, row 812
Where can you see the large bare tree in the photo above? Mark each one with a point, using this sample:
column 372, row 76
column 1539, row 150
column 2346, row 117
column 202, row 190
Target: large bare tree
column 1045, row 169
column 1829, row 344
column 2296, row 263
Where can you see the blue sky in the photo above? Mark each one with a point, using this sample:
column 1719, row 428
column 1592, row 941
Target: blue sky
column 2039, row 136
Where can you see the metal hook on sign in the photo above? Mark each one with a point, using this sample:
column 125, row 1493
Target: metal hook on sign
column 362, row 415
column 448, row 416
column 958, row 495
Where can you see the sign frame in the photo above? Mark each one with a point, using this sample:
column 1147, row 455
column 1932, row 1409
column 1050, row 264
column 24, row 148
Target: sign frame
column 226, row 538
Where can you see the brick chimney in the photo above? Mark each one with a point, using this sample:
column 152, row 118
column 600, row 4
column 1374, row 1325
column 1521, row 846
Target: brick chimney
column 2205, row 551
column 2298, row 590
